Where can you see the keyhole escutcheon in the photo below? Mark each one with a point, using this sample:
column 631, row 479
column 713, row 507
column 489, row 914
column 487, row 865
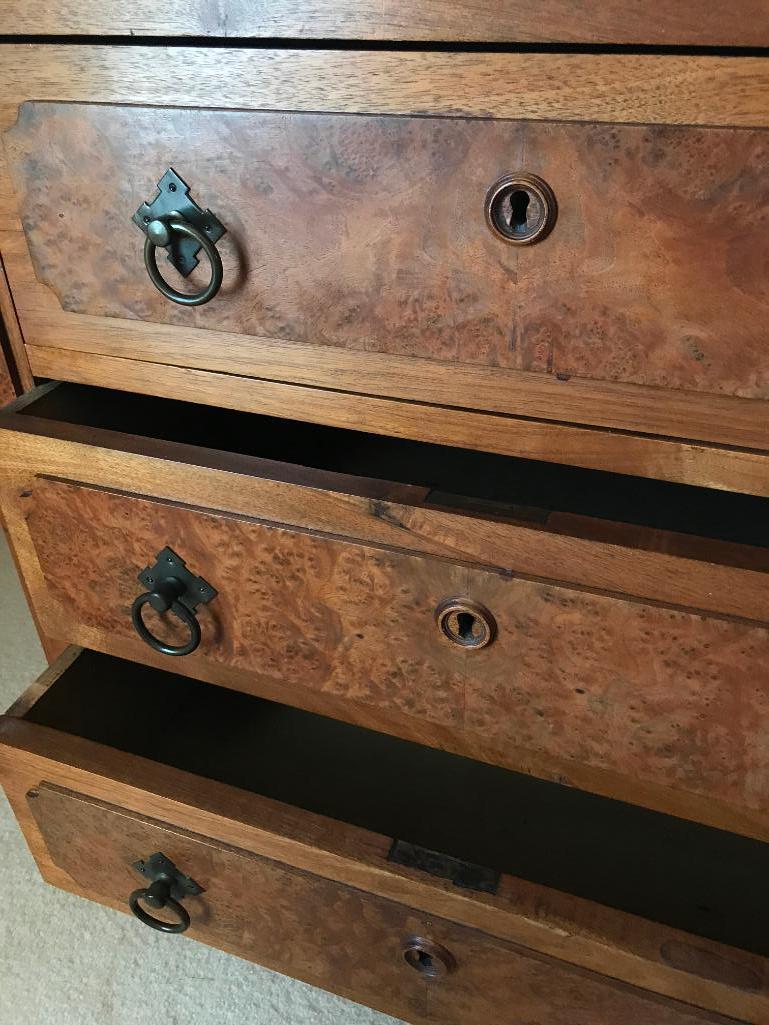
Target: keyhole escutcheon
column 465, row 623
column 520, row 209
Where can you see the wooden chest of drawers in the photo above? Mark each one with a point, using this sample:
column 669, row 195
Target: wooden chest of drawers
column 399, row 543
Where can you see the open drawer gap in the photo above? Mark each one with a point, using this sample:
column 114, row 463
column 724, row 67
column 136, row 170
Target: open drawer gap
column 461, row 480
column 704, row 881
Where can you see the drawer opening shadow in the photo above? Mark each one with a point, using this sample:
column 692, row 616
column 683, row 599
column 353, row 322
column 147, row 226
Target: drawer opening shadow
column 702, row 880
column 548, row 494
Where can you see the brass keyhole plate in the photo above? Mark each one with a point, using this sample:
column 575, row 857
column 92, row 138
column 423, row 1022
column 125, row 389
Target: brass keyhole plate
column 520, row 209
column 465, row 623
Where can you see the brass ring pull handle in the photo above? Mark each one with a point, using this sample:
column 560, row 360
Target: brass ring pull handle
column 172, row 588
column 168, row 887
column 160, row 233
column 162, row 599
column 158, row 895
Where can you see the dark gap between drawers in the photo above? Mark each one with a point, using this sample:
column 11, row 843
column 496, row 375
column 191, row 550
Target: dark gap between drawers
column 530, row 489
column 703, row 880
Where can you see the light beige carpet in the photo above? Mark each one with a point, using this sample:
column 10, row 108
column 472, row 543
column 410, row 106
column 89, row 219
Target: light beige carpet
column 67, row 961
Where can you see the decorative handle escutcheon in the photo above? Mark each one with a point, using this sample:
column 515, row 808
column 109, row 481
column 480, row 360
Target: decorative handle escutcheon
column 174, row 222
column 168, row 887
column 172, row 589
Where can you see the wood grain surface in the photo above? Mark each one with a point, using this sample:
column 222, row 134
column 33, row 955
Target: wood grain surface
column 684, row 23
column 704, row 90
column 7, row 389
column 15, row 375
column 331, row 935
column 637, row 454
column 670, row 89
column 672, row 699
column 681, row 570
column 368, row 234
column 722, row 419
column 573, row 930
column 713, row 579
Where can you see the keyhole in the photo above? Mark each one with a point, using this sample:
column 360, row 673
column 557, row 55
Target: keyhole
column 466, row 627
column 520, row 209
column 465, row 623
column 424, row 963
column 429, row 959
column 519, row 206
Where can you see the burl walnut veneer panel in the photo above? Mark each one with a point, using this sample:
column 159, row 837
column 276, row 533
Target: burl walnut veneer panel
column 368, row 232
column 660, row 695
column 332, row 935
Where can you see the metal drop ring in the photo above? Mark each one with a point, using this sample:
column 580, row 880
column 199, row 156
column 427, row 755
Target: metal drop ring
column 163, row 901
column 184, row 298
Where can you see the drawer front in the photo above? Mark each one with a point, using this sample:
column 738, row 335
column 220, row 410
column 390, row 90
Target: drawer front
column 331, row 935
column 635, row 700
column 368, row 233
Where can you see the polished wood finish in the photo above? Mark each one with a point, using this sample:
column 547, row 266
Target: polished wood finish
column 683, row 570
column 729, row 469
column 331, row 935
column 428, row 531
column 617, row 88
column 573, row 930
column 743, row 423
column 686, row 23
column 396, row 256
column 612, row 88
column 622, row 660
column 665, row 697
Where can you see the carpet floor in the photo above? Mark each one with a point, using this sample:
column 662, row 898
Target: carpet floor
column 67, row 961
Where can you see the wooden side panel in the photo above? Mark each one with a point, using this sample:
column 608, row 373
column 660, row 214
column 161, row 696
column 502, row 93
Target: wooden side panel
column 333, row 936
column 683, row 23
column 632, row 691
column 367, row 233
column 15, row 375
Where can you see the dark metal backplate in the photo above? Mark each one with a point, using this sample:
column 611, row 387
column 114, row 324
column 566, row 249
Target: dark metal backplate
column 168, row 564
column 158, row 866
column 173, row 198
column 462, row 873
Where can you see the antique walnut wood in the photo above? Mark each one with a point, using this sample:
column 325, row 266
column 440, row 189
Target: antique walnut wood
column 687, row 23
column 668, row 698
column 7, row 387
column 704, row 90
column 652, row 274
column 89, row 811
column 546, row 246
column 332, row 935
column 648, row 640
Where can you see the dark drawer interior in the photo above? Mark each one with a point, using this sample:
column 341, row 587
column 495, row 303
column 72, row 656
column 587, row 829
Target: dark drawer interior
column 705, row 881
column 462, row 479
